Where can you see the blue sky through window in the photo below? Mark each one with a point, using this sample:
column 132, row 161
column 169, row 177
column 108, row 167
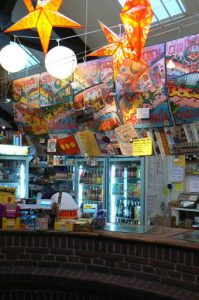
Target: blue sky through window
column 164, row 9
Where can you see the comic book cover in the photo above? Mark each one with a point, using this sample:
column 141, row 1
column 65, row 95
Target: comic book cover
column 59, row 119
column 55, row 91
column 26, row 90
column 183, row 78
column 143, row 86
column 93, row 72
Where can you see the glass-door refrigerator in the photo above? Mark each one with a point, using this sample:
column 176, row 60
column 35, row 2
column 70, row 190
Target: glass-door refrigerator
column 14, row 173
column 125, row 194
column 90, row 184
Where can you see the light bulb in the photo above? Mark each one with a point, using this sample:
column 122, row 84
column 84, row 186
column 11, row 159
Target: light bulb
column 13, row 58
column 170, row 64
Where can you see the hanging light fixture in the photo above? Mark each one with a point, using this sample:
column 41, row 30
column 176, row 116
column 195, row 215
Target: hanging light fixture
column 13, row 58
column 60, row 62
column 170, row 64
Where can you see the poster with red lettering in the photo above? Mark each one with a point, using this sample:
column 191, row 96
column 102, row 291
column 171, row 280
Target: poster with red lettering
column 26, row 90
column 182, row 58
column 95, row 89
column 144, row 86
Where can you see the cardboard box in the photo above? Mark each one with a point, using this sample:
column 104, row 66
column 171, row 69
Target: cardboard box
column 10, row 223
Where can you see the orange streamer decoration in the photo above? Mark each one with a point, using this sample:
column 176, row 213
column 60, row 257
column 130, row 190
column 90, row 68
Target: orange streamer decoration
column 136, row 17
column 43, row 17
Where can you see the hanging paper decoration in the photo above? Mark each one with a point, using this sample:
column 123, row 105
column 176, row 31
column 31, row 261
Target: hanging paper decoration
column 43, row 17
column 69, row 145
column 136, row 17
column 119, row 47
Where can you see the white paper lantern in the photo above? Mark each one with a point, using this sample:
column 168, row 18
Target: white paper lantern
column 13, row 58
column 60, row 62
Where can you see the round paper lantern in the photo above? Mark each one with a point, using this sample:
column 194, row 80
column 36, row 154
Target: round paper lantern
column 13, row 58
column 60, row 62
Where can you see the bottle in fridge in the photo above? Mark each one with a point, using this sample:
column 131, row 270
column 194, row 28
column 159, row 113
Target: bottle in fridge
column 126, row 191
column 90, row 183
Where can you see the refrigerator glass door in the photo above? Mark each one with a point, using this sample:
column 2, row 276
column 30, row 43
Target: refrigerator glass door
column 90, row 185
column 125, row 191
column 14, row 174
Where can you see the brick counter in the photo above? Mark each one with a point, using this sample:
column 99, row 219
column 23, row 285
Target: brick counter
column 100, row 265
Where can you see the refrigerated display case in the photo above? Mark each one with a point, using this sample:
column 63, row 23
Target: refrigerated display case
column 125, row 195
column 14, row 173
column 56, row 174
column 91, row 184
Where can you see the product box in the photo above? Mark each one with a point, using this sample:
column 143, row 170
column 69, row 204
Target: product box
column 64, row 225
column 41, row 223
column 9, row 210
column 10, row 223
column 83, row 225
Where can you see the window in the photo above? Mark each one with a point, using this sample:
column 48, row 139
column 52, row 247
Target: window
column 32, row 60
column 164, row 9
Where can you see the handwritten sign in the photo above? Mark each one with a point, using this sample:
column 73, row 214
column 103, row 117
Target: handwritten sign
column 7, row 195
column 143, row 113
column 142, row 147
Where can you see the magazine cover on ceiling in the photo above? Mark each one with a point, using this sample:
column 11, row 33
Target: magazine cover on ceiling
column 30, row 120
column 183, row 78
column 55, row 91
column 59, row 119
column 94, row 95
column 26, row 90
column 143, row 86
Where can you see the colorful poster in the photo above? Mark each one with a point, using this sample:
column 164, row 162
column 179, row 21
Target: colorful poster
column 55, row 91
column 26, row 90
column 125, row 133
column 30, row 120
column 92, row 73
column 182, row 57
column 143, row 86
column 100, row 96
column 59, row 119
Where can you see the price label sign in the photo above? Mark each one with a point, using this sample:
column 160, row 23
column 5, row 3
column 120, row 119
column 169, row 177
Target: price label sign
column 142, row 147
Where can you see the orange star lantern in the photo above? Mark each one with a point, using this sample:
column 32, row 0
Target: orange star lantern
column 119, row 47
column 136, row 17
column 43, row 17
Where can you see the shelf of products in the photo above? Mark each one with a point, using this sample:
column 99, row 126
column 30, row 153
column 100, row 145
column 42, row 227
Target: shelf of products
column 187, row 217
column 51, row 176
column 125, row 192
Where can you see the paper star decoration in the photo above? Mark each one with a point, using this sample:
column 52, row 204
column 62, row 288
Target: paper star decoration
column 43, row 17
column 136, row 17
column 119, row 47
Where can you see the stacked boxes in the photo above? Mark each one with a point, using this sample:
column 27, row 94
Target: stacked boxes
column 9, row 216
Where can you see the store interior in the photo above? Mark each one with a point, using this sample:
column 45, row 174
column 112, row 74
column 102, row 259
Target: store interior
column 115, row 124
